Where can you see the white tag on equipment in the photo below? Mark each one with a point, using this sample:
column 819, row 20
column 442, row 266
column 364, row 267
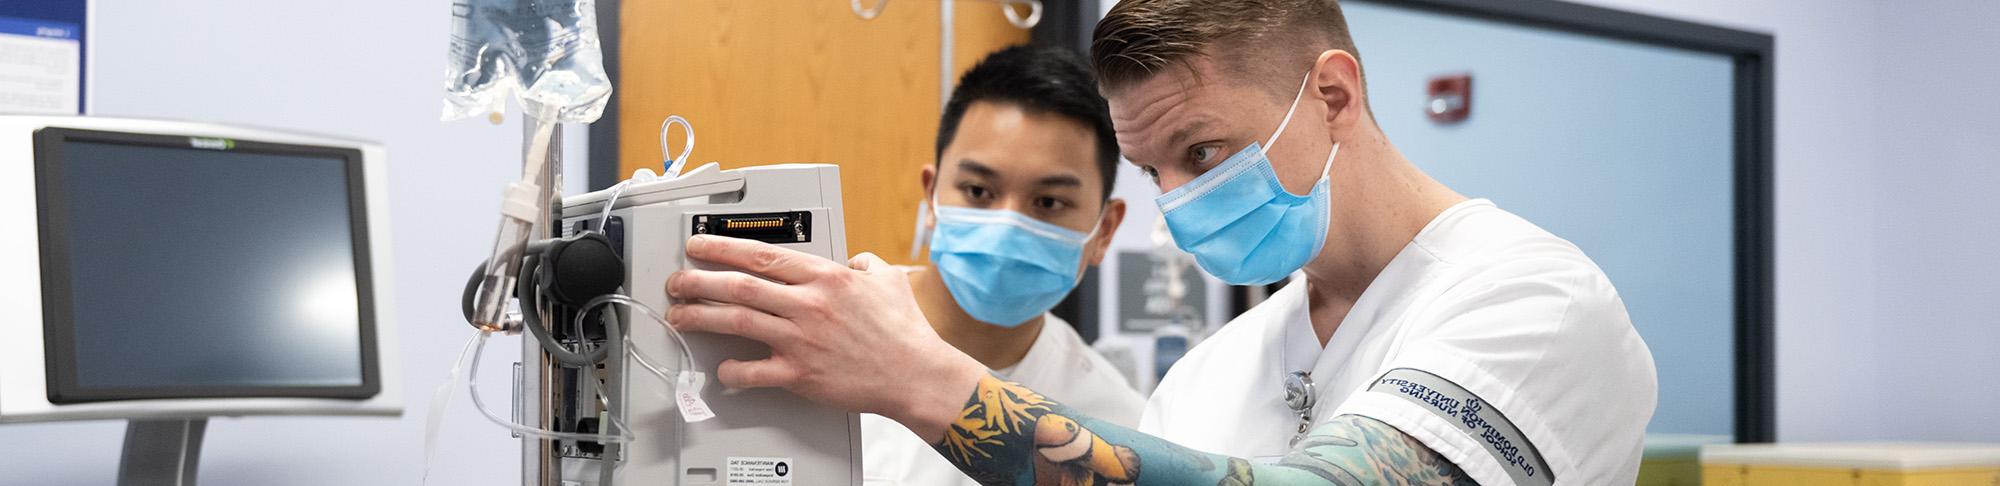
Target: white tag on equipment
column 687, row 393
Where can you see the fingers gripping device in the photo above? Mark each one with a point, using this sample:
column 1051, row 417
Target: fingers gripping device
column 606, row 389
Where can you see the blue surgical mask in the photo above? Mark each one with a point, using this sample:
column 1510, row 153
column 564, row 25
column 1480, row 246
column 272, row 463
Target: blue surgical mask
column 1241, row 224
column 1003, row 267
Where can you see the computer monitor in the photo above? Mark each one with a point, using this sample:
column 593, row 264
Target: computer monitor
column 172, row 271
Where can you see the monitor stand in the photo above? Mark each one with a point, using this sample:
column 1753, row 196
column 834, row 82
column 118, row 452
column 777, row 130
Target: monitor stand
column 161, row 452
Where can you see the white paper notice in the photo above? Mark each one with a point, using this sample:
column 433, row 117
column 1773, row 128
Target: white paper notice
column 41, row 67
column 760, row 471
column 687, row 394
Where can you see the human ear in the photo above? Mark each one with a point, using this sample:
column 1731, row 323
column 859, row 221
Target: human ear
column 928, row 176
column 1337, row 80
column 1107, row 225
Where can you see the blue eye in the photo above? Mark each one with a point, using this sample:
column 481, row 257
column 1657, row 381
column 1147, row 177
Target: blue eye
column 1200, row 154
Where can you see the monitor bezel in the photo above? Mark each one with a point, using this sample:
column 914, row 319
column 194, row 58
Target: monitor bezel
column 59, row 340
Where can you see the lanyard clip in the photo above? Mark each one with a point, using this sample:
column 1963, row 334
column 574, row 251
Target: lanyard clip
column 1299, row 396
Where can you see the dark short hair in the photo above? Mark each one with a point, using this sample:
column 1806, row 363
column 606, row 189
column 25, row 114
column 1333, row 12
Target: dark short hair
column 1268, row 42
column 1038, row 80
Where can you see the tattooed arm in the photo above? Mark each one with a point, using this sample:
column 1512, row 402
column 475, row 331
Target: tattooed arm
column 852, row 337
column 1010, row 435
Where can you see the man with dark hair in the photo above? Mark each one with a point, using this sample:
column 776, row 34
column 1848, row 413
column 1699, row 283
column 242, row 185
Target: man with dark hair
column 1433, row 339
column 1018, row 203
column 1045, row 81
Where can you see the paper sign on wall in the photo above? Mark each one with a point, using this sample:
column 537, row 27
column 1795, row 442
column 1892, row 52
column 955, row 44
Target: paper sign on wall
column 41, row 67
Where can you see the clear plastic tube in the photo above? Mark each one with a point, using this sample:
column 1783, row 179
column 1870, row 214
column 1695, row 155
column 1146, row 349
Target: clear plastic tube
column 624, row 434
column 687, row 384
column 523, row 205
column 489, row 312
column 673, row 166
column 440, row 399
column 687, row 352
column 647, row 363
column 604, row 217
column 477, row 347
column 674, row 163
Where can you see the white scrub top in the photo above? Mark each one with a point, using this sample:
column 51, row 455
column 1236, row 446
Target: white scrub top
column 1498, row 345
column 1058, row 365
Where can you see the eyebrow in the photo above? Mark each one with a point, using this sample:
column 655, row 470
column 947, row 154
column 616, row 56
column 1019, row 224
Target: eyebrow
column 981, row 170
column 1187, row 131
column 977, row 169
column 1063, row 180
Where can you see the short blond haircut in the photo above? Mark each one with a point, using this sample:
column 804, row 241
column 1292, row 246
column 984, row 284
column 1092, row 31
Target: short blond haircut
column 1269, row 43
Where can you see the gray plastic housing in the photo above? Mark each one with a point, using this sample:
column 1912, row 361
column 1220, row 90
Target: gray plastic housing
column 821, row 445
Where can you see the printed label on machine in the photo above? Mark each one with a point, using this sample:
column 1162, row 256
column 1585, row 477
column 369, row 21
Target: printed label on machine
column 760, row 471
column 687, row 394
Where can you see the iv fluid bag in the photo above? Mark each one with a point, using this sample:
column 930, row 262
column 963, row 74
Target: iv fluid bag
column 545, row 51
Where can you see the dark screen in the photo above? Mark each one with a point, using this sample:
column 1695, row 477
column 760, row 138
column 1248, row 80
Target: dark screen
column 208, row 268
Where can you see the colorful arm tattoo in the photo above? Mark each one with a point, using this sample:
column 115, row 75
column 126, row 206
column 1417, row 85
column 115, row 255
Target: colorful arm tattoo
column 1009, row 435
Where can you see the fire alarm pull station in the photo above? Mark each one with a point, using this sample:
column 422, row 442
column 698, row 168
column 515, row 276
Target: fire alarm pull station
column 1450, row 99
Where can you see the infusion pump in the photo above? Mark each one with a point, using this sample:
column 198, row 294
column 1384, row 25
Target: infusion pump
column 761, row 436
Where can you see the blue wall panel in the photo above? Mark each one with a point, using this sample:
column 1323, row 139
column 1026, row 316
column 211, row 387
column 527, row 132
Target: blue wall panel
column 1622, row 148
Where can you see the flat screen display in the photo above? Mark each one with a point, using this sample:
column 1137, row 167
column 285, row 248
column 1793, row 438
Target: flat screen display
column 187, row 267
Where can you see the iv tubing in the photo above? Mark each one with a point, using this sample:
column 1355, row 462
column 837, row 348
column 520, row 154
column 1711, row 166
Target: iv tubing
column 478, row 347
column 616, row 191
column 472, row 382
column 687, row 352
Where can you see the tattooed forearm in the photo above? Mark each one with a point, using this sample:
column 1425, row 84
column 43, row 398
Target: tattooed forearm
column 1360, row 450
column 1010, row 435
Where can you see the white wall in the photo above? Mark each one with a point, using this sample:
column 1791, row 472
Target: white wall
column 1886, row 268
column 369, row 69
column 1829, row 272
column 1937, row 163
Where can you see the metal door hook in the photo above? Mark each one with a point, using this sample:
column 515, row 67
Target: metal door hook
column 868, row 13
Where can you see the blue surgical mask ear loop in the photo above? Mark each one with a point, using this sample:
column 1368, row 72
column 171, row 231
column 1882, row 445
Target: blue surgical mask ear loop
column 1095, row 224
column 1294, row 223
column 920, row 236
column 1003, row 267
column 927, row 211
column 1324, row 169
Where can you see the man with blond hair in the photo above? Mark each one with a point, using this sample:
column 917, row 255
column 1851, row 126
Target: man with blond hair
column 1433, row 338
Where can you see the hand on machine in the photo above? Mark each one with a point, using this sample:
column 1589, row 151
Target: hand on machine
column 582, row 416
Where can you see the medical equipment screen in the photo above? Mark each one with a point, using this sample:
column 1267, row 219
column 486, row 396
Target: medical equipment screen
column 187, row 267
